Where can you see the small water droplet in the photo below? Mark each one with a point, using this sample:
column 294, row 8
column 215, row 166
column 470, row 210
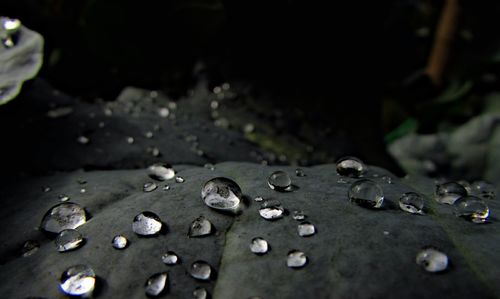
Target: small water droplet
column 161, row 172
column 448, row 193
column 166, row 188
column 63, row 216
column 300, row 172
column 148, row 134
column 412, row 202
column 248, row 128
column 279, row 181
column 350, row 167
column 170, row 258
column 271, row 210
column 30, row 247
column 209, row 166
column 59, row 112
column 222, row 194
column 163, row 112
column 83, row 139
column 386, row 233
column 432, row 260
column 296, row 259
column 179, row 179
column 83, row 190
column 156, row 284
column 119, row 242
column 130, row 140
column 306, row 229
column 366, row 193
column 259, row 246
column 146, row 224
column 483, row 189
column 298, row 215
column 200, row 293
column 63, row 197
column 46, row 189
column 68, row 239
column 200, row 270
column 78, row 280
column 200, row 227
column 155, row 152
column 150, row 186
column 472, row 208
column 258, row 199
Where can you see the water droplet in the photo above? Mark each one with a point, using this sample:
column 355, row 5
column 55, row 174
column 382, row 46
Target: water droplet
column 166, row 188
column 68, row 239
column 200, row 270
column 148, row 134
column 78, row 280
column 30, row 247
column 200, row 293
column 412, row 202
column 259, row 246
column 222, row 194
column 63, row 216
column 163, row 112
column 83, row 139
column 350, row 167
column 83, row 190
column 155, row 152
column 161, row 172
column 298, row 215
column 146, row 224
column 130, row 140
column 432, row 260
column 483, row 189
column 179, row 179
column 156, row 284
column 296, row 259
column 46, row 189
column 119, row 242
column 271, row 210
column 366, row 193
column 258, row 199
column 200, row 227
column 150, row 186
column 306, row 229
column 300, row 172
column 63, row 197
column 472, row 208
column 449, row 192
column 209, row 166
column 279, row 181
column 248, row 128
column 170, row 258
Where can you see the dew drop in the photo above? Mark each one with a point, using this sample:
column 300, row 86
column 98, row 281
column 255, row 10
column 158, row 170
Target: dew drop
column 366, row 193
column 258, row 199
column 300, row 172
column 170, row 258
column 298, row 215
column 432, row 260
column 146, row 224
column 161, row 172
column 200, row 293
column 179, row 179
column 279, row 181
column 222, row 194
column 30, row 247
column 63, row 197
column 156, row 284
column 63, row 216
column 130, row 140
column 200, row 270
column 412, row 202
column 271, row 210
column 150, row 186
column 306, row 229
column 78, row 280
column 472, row 208
column 448, row 193
column 166, row 188
column 259, row 246
column 296, row 259
column 200, row 227
column 350, row 167
column 483, row 189
column 83, row 140
column 68, row 239
column 119, row 242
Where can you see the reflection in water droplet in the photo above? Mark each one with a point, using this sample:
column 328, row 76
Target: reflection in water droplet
column 306, row 229
column 271, row 210
column 30, row 247
column 222, row 194
column 350, row 167
column 449, row 192
column 170, row 258
column 68, row 239
column 298, row 215
column 63, row 216
column 296, row 259
column 483, row 189
column 146, row 224
column 472, row 208
column 161, row 172
column 279, row 181
column 78, row 280
column 432, row 260
column 150, row 186
column 259, row 246
column 412, row 202
column 200, row 293
column 200, row 227
column 119, row 242
column 200, row 270
column 366, row 193
column 156, row 284
column 179, row 179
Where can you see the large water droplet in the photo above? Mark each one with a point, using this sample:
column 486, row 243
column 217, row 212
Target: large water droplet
column 449, row 192
column 366, row 193
column 306, row 229
column 200, row 227
column 412, row 202
column 350, row 167
column 63, row 216
column 222, row 194
column 432, row 260
column 146, row 224
column 161, row 172
column 78, row 280
column 296, row 259
column 68, row 239
column 483, row 189
column 30, row 247
column 156, row 284
column 472, row 208
column 200, row 293
column 150, row 186
column 200, row 270
column 170, row 258
column 119, row 242
column 271, row 210
column 279, row 181
column 259, row 246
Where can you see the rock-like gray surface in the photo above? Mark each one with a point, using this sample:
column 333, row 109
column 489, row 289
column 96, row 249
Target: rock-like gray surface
column 356, row 252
